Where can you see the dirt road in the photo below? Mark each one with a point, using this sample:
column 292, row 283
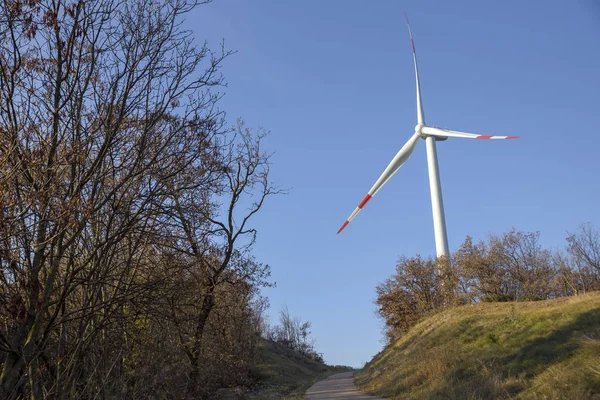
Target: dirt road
column 337, row 387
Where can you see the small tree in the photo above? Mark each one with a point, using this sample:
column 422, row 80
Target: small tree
column 215, row 237
column 295, row 334
column 584, row 249
column 417, row 287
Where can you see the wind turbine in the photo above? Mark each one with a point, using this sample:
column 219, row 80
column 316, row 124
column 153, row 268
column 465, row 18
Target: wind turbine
column 430, row 134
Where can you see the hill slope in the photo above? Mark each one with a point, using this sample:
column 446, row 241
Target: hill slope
column 286, row 374
column 547, row 349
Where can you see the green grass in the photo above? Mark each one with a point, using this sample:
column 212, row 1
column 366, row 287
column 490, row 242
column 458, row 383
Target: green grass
column 286, row 374
column 532, row 350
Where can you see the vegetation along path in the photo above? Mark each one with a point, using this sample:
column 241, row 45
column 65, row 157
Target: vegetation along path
column 337, row 387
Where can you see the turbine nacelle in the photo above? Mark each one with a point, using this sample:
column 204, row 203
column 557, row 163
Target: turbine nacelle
column 423, row 135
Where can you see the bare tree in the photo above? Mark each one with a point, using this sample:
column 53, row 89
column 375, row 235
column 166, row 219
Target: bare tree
column 292, row 332
column 584, row 249
column 216, row 239
column 103, row 106
column 529, row 266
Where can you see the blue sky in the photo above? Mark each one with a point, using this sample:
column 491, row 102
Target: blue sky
column 333, row 81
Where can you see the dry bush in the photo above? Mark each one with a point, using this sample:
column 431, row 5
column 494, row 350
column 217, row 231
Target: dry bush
column 509, row 267
column 416, row 289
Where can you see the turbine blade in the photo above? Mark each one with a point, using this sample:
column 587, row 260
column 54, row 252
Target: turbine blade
column 420, row 115
column 430, row 130
column 391, row 169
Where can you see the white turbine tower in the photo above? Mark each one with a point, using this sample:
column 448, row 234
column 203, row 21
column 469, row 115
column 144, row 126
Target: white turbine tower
column 430, row 134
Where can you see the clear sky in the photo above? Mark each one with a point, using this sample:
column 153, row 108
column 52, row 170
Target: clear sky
column 333, row 81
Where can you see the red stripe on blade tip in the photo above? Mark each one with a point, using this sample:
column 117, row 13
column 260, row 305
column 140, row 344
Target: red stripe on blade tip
column 343, row 226
column 365, row 201
column 513, row 137
column 483, row 137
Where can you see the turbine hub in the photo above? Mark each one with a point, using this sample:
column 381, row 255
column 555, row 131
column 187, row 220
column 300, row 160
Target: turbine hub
column 418, row 129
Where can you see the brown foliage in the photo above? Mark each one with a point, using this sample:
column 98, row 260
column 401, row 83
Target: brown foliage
column 511, row 267
column 417, row 288
column 125, row 248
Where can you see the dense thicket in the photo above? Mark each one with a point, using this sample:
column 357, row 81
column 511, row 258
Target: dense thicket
column 510, row 267
column 125, row 251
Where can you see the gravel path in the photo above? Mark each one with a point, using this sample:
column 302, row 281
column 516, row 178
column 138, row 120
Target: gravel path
column 337, row 387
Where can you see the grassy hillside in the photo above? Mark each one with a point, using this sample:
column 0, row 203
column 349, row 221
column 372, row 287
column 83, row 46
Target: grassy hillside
column 534, row 350
column 286, row 374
